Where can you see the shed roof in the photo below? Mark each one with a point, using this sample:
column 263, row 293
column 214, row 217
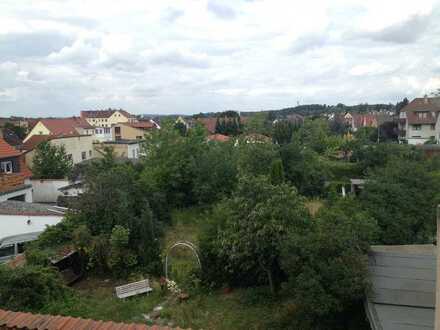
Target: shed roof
column 11, row 207
column 28, row 321
column 403, row 282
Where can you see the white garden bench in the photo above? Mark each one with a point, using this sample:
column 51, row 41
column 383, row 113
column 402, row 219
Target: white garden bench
column 133, row 289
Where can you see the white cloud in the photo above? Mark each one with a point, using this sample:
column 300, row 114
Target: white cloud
column 180, row 56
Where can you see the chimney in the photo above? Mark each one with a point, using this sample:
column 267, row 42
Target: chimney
column 426, row 98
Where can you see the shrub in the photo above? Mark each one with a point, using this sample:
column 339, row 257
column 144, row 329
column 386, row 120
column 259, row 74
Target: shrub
column 29, row 288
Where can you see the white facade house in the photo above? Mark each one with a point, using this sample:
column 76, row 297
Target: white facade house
column 419, row 121
column 21, row 222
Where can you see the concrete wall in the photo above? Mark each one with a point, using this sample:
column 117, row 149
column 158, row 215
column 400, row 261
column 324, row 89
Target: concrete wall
column 128, row 132
column 46, row 191
column 75, row 146
column 133, row 150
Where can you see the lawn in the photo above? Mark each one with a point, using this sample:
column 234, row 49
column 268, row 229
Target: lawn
column 95, row 298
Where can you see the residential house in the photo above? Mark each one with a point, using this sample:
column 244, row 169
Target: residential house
column 133, row 131
column 403, row 280
column 130, row 149
column 107, row 118
column 14, row 175
column 21, row 222
column 419, row 121
column 103, row 134
column 209, row 123
column 61, row 127
column 78, row 147
column 359, row 120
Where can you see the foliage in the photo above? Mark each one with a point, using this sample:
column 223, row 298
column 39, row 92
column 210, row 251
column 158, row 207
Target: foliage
column 277, row 172
column 304, row 169
column 253, row 158
column 215, row 175
column 255, row 220
column 228, row 123
column 17, row 130
column 51, row 162
column 402, row 196
column 29, row 288
column 314, row 134
column 181, row 128
column 282, row 132
column 372, row 156
column 326, row 265
column 171, row 163
column 121, row 258
column 259, row 123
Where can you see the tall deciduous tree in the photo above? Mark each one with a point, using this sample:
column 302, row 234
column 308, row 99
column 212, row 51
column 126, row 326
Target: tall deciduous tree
column 255, row 221
column 51, row 162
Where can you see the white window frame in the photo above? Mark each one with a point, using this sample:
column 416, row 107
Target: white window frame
column 4, row 167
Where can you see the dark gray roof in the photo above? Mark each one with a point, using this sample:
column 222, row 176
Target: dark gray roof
column 23, row 208
column 122, row 141
column 403, row 287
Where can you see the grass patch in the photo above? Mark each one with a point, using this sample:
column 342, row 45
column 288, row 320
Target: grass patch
column 186, row 226
column 235, row 310
column 94, row 298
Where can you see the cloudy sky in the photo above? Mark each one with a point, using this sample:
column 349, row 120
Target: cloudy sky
column 58, row 57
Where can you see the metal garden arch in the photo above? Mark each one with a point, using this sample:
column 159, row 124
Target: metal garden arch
column 186, row 244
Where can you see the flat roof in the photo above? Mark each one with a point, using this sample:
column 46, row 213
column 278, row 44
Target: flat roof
column 11, row 207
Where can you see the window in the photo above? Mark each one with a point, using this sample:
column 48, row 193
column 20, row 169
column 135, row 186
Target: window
column 7, row 251
column 6, row 167
column 138, row 137
column 422, row 115
column 90, row 153
column 417, row 127
column 432, row 127
column 83, row 155
column 117, row 130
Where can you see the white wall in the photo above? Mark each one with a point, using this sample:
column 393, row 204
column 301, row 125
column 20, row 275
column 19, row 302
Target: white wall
column 133, row 150
column 11, row 225
column 46, row 191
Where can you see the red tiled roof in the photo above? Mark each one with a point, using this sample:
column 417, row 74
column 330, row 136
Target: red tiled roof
column 364, row 120
column 209, row 123
column 143, row 124
column 422, row 104
column 65, row 126
column 218, row 137
column 27, row 321
column 33, row 141
column 7, row 151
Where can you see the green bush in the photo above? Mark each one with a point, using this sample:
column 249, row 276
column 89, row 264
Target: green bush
column 29, row 288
